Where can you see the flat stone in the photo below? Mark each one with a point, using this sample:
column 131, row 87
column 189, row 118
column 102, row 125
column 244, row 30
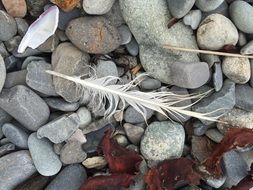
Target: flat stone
column 214, row 135
column 45, row 160
column 61, row 105
column 133, row 132
column 2, row 73
column 85, row 32
column 247, row 49
column 99, row 7
column 125, row 34
column 15, row 168
column 25, row 106
column 15, row 78
column 6, row 149
column 67, row 59
column 217, row 77
column 235, row 167
column 15, row 135
column 221, row 101
column 179, row 8
column 133, row 116
column 162, row 140
column 241, row 13
column 59, row 129
column 70, row 178
column 216, row 31
column 97, row 162
column 8, row 26
column 38, row 79
column 34, row 183
column 237, row 69
column 193, row 19
column 243, row 94
column 84, row 117
column 206, row 5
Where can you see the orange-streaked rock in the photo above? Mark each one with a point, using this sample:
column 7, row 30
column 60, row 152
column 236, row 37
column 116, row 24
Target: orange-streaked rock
column 66, row 5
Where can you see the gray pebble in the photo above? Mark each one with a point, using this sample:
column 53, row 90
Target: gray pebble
column 60, row 129
column 217, row 77
column 106, row 68
column 98, row 124
column 179, row 8
column 216, row 183
column 98, row 7
column 70, row 178
column 61, row 105
column 193, row 19
column 2, row 73
column 133, row 116
column 15, row 168
column 150, row 84
column 207, row 5
column 12, row 43
column 15, row 78
column 121, row 140
column 133, row 132
column 25, row 106
column 8, row 26
column 28, row 52
column 15, row 135
column 199, row 128
column 3, row 51
column 31, row 59
column 115, row 15
column 214, row 135
column 11, row 63
column 45, row 160
column 247, row 49
column 50, row 44
column 125, row 34
column 210, row 59
column 221, row 9
column 38, row 79
column 243, row 97
column 163, row 140
column 22, row 26
column 133, row 47
column 6, row 149
column 66, row 17
column 57, row 148
column 84, row 117
column 242, row 39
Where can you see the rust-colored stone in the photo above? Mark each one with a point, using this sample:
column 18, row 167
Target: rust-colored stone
column 66, row 5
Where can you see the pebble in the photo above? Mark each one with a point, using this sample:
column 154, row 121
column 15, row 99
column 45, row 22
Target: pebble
column 61, row 105
column 179, row 8
column 216, row 31
column 121, row 140
column 50, row 44
column 210, row 59
column 12, row 43
column 58, row 147
column 99, row 7
column 77, row 136
column 133, row 132
column 243, row 94
column 115, row 15
column 235, row 118
column 3, row 51
column 38, row 182
column 2, row 73
column 22, row 26
column 183, row 74
column 72, row 153
column 125, row 34
column 221, row 9
column 242, row 39
column 96, row 162
column 31, row 59
column 8, row 26
column 237, row 69
column 133, row 116
column 70, row 178
column 15, row 168
column 98, row 124
column 69, row 60
column 66, row 17
column 217, row 77
column 66, row 5
column 85, row 32
column 235, row 167
column 6, row 149
column 45, row 160
column 193, row 19
column 162, row 140
column 241, row 13
column 28, row 52
column 247, row 49
column 16, row 8
column 150, row 84
column 199, row 128
column 106, row 68
column 214, row 135
column 11, row 63
column 248, row 157
column 25, row 106
column 38, row 79
column 36, row 7
column 59, row 129
column 206, row 5
column 84, row 117
column 15, row 135
column 214, row 182
column 224, row 99
column 133, row 47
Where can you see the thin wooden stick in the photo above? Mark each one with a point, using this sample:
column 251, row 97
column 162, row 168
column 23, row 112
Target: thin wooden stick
column 208, row 52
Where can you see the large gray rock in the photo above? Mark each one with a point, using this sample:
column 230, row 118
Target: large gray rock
column 45, row 160
column 70, row 178
column 179, row 8
column 162, row 140
column 243, row 97
column 2, row 72
column 8, row 26
column 220, row 102
column 15, row 168
column 60, row 129
column 25, row 106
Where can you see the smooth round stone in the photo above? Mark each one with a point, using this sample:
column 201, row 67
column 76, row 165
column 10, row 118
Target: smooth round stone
column 133, row 47
column 241, row 13
column 70, row 178
column 163, row 140
column 193, row 19
column 216, row 31
column 247, row 49
column 106, row 68
column 208, row 5
column 16, row 8
column 125, row 34
column 15, row 135
column 214, row 182
column 22, row 26
column 210, row 59
column 94, row 35
column 199, row 128
column 121, row 140
column 98, row 7
column 217, row 77
column 214, row 135
column 133, row 132
column 237, row 69
column 133, row 116
column 84, row 117
column 150, row 84
column 8, row 26
column 61, row 105
column 242, row 39
column 45, row 160
column 15, row 168
column 25, row 106
column 2, row 73
column 179, row 8
column 96, row 162
column 243, row 97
